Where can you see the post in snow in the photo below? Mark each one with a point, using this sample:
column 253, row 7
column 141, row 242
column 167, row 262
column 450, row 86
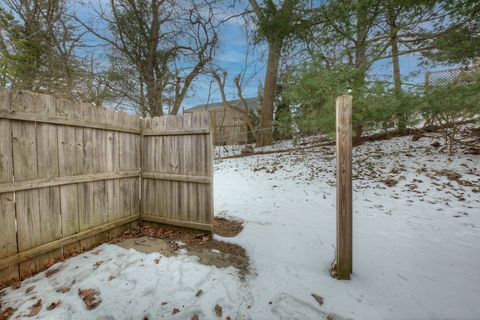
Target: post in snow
column 344, row 187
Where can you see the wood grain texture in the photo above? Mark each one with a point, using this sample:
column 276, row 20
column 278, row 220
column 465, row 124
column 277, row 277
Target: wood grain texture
column 24, row 110
column 8, row 238
column 65, row 241
column 344, row 186
column 24, row 148
column 59, row 181
column 47, row 164
column 68, row 145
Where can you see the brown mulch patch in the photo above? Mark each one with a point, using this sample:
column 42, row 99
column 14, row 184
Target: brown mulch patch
column 226, row 227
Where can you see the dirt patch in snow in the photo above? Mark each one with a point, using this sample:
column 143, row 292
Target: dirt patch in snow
column 148, row 245
column 169, row 241
column 227, row 227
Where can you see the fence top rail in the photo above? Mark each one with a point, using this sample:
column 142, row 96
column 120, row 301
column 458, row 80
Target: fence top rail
column 177, row 132
column 34, row 107
column 187, row 123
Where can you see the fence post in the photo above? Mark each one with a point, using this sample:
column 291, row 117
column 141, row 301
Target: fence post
column 344, row 187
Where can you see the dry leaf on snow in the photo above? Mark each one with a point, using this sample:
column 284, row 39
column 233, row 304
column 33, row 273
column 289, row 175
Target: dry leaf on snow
column 35, row 309
column 53, row 305
column 218, row 310
column 90, row 298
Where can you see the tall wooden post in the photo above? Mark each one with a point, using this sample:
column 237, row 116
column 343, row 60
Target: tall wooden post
column 344, row 187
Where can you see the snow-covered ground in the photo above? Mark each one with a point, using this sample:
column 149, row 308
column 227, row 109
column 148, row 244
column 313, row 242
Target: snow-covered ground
column 416, row 245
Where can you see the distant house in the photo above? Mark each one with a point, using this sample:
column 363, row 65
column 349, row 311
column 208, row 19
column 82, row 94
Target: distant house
column 229, row 125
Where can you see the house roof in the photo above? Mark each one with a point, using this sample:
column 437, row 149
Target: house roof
column 253, row 105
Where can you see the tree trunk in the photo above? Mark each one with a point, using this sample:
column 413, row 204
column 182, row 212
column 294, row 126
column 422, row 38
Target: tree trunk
column 268, row 99
column 360, row 65
column 397, row 78
column 154, row 100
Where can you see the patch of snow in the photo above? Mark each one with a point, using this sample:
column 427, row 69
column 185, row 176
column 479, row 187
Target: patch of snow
column 133, row 286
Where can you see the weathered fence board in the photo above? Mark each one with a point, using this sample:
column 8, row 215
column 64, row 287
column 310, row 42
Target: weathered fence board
column 8, row 239
column 73, row 175
column 177, row 171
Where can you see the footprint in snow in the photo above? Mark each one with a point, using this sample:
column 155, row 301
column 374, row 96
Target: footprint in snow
column 287, row 307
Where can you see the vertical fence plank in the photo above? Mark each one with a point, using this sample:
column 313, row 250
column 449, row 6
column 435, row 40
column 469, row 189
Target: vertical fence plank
column 112, row 187
column 100, row 214
column 125, row 164
column 25, row 168
column 8, row 238
column 344, row 186
column 147, row 184
column 186, row 169
column 85, row 190
column 68, row 145
column 137, row 155
column 47, row 163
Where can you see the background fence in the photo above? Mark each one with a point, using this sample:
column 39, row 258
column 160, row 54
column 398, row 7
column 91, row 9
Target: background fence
column 70, row 177
column 229, row 127
column 448, row 76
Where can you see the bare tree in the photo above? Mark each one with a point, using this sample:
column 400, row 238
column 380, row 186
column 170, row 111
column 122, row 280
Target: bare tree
column 157, row 49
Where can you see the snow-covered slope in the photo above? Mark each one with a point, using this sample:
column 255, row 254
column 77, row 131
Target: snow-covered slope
column 416, row 244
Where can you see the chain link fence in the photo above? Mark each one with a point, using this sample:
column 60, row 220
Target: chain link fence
column 243, row 143
column 449, row 76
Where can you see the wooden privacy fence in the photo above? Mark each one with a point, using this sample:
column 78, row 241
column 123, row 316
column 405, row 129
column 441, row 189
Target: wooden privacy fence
column 70, row 177
column 178, row 171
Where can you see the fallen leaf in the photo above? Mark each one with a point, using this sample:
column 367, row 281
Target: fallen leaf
column 7, row 313
column 199, row 293
column 218, row 310
column 97, row 264
column 29, row 289
column 318, row 298
column 63, row 290
column 53, row 305
column 16, row 285
column 157, row 261
column 194, row 317
column 35, row 309
column 164, row 303
column 51, row 272
column 175, row 311
column 89, row 297
column 228, row 318
column 330, row 317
